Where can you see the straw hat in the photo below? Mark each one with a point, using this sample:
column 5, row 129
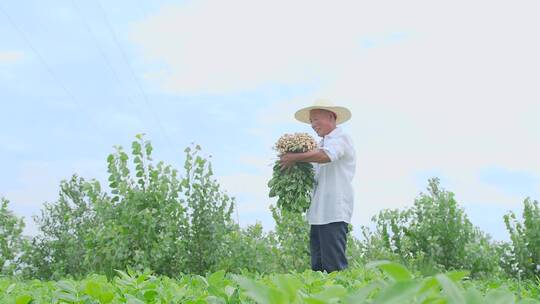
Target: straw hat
column 343, row 114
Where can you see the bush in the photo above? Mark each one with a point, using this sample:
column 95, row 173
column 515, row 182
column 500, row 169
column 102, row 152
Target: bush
column 11, row 240
column 435, row 234
column 292, row 237
column 522, row 257
column 154, row 218
column 67, row 230
column 251, row 249
column 151, row 219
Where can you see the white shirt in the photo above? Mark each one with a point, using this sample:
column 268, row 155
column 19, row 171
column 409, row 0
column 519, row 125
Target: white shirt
column 332, row 199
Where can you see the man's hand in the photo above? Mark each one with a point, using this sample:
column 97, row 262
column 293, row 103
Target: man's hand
column 287, row 161
column 316, row 156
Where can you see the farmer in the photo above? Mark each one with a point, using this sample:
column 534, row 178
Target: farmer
column 332, row 197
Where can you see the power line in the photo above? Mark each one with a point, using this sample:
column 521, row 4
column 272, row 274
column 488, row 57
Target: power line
column 103, row 54
column 137, row 81
column 38, row 55
column 140, row 7
column 46, row 65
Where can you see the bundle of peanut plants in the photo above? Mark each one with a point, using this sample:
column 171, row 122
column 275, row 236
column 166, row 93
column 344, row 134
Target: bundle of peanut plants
column 293, row 186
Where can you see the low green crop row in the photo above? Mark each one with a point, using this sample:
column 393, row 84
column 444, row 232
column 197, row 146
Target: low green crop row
column 377, row 282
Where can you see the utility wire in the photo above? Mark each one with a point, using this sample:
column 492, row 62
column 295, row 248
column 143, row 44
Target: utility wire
column 47, row 66
column 106, row 59
column 137, row 81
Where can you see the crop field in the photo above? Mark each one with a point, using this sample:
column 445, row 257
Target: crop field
column 377, row 282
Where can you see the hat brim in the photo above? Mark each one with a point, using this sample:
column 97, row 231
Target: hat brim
column 343, row 114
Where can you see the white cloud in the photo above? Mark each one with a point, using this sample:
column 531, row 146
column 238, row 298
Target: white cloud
column 221, row 46
column 234, row 45
column 451, row 87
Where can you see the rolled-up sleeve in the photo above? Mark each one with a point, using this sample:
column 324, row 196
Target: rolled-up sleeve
column 335, row 148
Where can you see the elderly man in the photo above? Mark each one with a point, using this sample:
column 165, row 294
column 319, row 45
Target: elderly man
column 332, row 198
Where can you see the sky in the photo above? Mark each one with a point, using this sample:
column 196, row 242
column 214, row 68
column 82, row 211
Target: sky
column 437, row 89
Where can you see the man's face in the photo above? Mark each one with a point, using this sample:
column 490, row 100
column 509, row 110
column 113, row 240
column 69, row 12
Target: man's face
column 322, row 121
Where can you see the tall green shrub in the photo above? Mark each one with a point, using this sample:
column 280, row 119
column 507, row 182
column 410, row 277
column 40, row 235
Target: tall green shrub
column 435, row 232
column 11, row 240
column 292, row 236
column 524, row 252
column 152, row 218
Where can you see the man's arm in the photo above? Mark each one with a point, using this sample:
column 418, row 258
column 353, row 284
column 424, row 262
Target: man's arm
column 316, row 156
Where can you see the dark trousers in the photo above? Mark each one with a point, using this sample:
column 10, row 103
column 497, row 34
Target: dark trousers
column 328, row 243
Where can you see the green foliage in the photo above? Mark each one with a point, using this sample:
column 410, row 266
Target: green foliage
column 251, row 249
column 66, row 227
column 153, row 218
column 378, row 282
column 523, row 254
column 292, row 186
column 435, row 234
column 210, row 214
column 11, row 239
column 292, row 233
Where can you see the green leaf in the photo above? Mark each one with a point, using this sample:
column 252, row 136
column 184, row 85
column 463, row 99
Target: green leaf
column 396, row 271
column 429, row 283
column 500, row 296
column 453, row 293
column 123, row 156
column 313, row 301
column 330, row 293
column 10, row 288
column 259, row 292
column 215, row 300
column 66, row 296
column 133, row 300
column 148, row 148
column 217, row 278
column 398, row 292
column 361, row 295
column 93, row 289
column 150, row 295
column 288, row 284
column 24, row 299
column 473, row 296
column 136, row 148
column 106, row 296
column 66, row 286
column 457, row 276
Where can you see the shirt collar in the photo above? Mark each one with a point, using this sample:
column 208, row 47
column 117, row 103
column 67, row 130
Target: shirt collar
column 334, row 133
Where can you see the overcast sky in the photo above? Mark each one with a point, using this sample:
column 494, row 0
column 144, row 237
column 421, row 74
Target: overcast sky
column 447, row 89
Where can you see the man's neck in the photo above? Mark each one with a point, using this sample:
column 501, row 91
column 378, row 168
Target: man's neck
column 335, row 127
